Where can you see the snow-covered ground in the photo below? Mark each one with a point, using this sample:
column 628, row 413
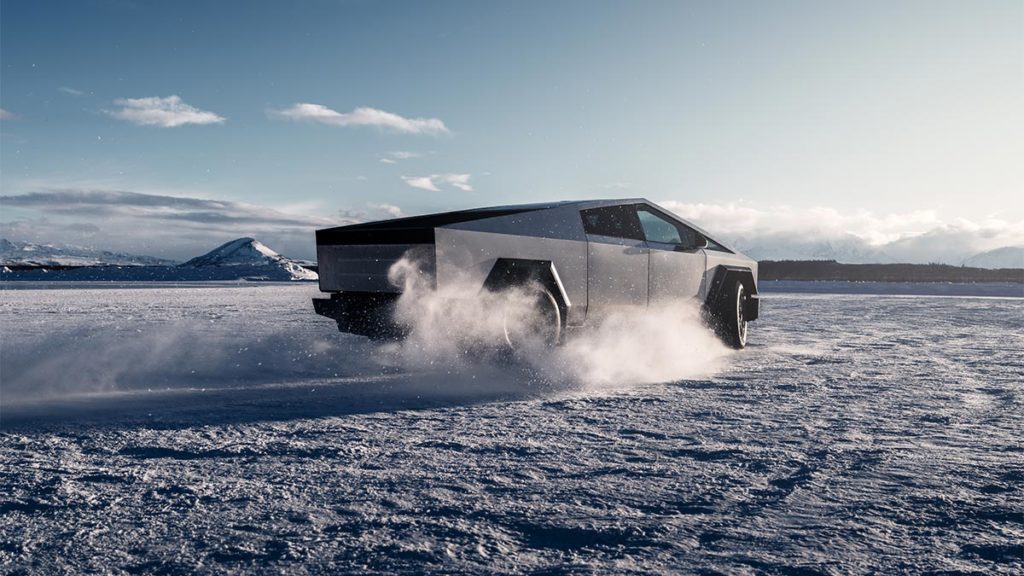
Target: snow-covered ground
column 228, row 428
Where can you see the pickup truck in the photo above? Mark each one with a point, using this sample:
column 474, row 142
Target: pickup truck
column 581, row 260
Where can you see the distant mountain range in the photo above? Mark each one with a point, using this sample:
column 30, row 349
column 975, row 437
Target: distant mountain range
column 241, row 259
column 250, row 259
column 1007, row 257
column 28, row 254
column 834, row 271
column 851, row 249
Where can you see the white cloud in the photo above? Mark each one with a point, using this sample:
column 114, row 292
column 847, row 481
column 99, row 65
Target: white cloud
column 166, row 112
column 395, row 156
column 374, row 211
column 5, row 115
column 421, row 182
column 70, row 91
column 177, row 227
column 781, row 232
column 389, row 209
column 363, row 116
column 433, row 182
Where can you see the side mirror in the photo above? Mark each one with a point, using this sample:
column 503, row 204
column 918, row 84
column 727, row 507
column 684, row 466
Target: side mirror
column 698, row 243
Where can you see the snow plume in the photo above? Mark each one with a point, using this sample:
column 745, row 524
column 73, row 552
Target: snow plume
column 173, row 356
column 461, row 329
column 663, row 343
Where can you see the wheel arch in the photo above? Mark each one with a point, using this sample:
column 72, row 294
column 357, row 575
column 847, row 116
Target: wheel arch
column 721, row 281
column 510, row 272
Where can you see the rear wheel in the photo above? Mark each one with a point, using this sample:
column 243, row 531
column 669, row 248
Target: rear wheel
column 537, row 322
column 731, row 318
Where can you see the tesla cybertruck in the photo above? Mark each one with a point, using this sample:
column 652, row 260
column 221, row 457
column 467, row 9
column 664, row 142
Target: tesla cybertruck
column 580, row 260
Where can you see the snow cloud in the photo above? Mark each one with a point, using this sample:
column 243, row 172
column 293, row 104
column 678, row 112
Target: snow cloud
column 434, row 181
column 362, row 116
column 166, row 112
column 785, row 232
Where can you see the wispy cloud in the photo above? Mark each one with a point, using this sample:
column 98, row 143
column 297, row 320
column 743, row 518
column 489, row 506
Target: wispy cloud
column 168, row 112
column 158, row 224
column 780, row 232
column 363, row 116
column 70, row 91
column 5, row 115
column 113, row 203
column 434, row 181
column 397, row 155
column 390, row 209
column 373, row 211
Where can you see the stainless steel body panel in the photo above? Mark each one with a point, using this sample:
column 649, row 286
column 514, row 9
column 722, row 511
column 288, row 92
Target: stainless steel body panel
column 675, row 275
column 364, row 267
column 717, row 257
column 561, row 222
column 465, row 258
column 616, row 274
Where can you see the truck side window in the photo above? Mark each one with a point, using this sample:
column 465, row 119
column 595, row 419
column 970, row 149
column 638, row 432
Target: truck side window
column 617, row 221
column 659, row 228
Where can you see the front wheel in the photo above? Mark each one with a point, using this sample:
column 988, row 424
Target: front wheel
column 732, row 322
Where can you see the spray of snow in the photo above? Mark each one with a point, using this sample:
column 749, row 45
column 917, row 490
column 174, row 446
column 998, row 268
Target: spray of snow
column 460, row 329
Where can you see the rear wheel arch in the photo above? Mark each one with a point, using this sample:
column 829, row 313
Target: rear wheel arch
column 518, row 272
column 513, row 272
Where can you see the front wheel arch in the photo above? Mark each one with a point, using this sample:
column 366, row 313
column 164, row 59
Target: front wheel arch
column 732, row 302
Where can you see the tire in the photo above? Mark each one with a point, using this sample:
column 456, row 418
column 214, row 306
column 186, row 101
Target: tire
column 542, row 326
column 731, row 321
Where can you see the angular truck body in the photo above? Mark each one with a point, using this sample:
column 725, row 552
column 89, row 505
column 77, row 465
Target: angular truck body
column 590, row 258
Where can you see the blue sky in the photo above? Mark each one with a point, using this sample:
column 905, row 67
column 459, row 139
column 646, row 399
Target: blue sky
column 893, row 120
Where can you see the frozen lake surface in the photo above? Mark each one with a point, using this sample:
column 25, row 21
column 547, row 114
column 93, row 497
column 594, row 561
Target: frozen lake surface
column 174, row 430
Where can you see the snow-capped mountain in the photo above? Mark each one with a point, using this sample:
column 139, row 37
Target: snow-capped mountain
column 13, row 253
column 253, row 257
column 1005, row 257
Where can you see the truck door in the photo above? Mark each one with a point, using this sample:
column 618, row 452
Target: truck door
column 677, row 258
column 616, row 259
